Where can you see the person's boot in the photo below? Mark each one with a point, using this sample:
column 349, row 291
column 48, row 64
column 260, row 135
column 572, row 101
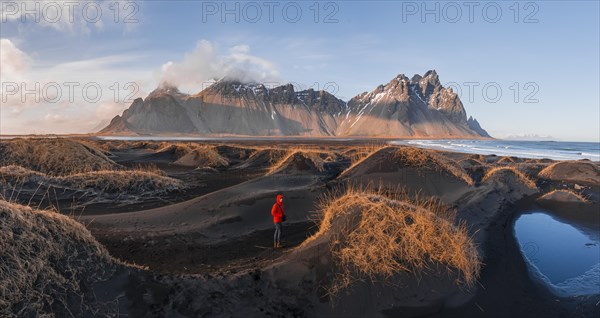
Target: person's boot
column 275, row 245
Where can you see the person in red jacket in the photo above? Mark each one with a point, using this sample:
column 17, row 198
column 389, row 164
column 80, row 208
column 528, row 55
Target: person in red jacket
column 278, row 216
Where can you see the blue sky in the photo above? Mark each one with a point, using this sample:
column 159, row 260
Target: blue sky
column 554, row 57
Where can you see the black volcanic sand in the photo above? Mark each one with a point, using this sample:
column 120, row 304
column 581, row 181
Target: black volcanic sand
column 187, row 254
column 208, row 248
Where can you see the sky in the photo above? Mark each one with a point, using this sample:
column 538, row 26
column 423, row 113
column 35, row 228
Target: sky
column 520, row 68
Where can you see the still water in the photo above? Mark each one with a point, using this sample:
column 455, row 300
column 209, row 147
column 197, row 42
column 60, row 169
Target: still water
column 562, row 256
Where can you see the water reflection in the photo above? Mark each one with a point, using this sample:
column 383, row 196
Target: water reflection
column 561, row 255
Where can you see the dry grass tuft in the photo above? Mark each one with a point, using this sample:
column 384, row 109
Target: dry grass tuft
column 54, row 156
column 478, row 157
column 375, row 236
column 179, row 149
column 359, row 153
column 110, row 145
column 312, row 157
column 498, row 172
column 151, row 167
column 506, row 160
column 263, row 158
column 572, row 171
column 49, row 263
column 564, row 195
column 192, row 154
column 12, row 172
column 274, row 155
column 470, row 162
column 127, row 184
column 422, row 158
column 131, row 181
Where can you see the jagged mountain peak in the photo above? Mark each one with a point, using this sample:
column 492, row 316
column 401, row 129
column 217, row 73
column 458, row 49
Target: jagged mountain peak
column 231, row 87
column 429, row 78
column 166, row 89
column 401, row 87
column 415, row 79
column 475, row 126
column 429, row 81
column 419, row 107
column 431, row 73
column 395, row 90
column 400, row 78
column 226, row 81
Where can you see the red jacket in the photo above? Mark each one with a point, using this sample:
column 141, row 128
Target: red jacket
column 277, row 210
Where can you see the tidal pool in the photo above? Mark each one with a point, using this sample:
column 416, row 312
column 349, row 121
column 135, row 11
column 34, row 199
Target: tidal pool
column 560, row 255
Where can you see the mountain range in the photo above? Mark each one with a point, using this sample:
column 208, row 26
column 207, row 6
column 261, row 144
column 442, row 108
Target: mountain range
column 419, row 107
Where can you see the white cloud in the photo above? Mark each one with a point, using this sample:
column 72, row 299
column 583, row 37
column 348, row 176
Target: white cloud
column 204, row 64
column 13, row 62
column 107, row 110
column 70, row 16
column 60, row 104
column 71, row 112
column 240, row 49
column 55, row 118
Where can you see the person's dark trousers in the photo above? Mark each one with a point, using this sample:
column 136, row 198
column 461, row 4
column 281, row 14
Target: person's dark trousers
column 277, row 235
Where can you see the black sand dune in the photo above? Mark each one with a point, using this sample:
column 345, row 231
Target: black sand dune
column 297, row 162
column 262, row 159
column 54, row 156
column 582, row 172
column 427, row 173
column 226, row 213
column 209, row 254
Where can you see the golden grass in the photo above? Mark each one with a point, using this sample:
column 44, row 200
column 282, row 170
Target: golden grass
column 196, row 154
column 152, row 168
column 49, row 262
column 18, row 172
column 359, row 154
column 376, row 235
column 549, row 171
column 131, row 181
column 422, row 158
column 480, row 158
column 178, row 148
column 54, row 156
column 109, row 145
column 137, row 181
column 554, row 172
column 419, row 158
column 496, row 171
column 507, row 160
column 313, row 156
column 472, row 162
column 566, row 192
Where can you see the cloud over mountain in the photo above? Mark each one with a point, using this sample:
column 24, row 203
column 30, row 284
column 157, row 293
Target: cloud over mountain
column 204, row 65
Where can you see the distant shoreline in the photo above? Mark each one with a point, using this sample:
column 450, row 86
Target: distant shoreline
column 554, row 150
column 235, row 137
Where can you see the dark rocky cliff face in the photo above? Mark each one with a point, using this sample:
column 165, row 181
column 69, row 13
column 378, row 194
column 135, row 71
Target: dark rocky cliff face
column 474, row 125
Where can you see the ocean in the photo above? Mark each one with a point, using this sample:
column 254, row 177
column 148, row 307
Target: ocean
column 557, row 150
